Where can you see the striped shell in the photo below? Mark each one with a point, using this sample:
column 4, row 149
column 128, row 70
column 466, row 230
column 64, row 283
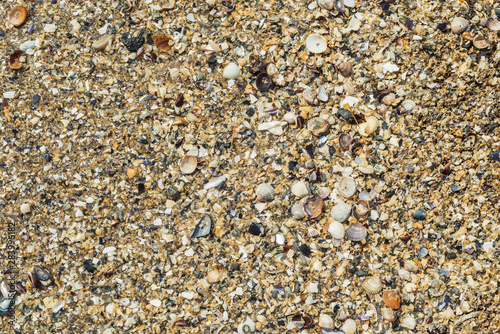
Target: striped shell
column 356, row 232
column 265, row 192
column 373, row 285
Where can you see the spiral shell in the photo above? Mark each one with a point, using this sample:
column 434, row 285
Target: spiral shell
column 347, row 187
column 356, row 232
column 373, row 285
column 265, row 192
column 345, row 69
column 391, row 299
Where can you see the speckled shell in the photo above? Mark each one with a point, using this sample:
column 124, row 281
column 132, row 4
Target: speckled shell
column 312, row 206
column 356, row 232
column 188, row 164
column 459, row 25
column 17, row 15
column 347, row 187
column 391, row 299
column 373, row 285
column 265, row 192
column 325, row 321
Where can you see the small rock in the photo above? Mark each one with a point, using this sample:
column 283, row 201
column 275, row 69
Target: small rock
column 341, row 212
column 25, row 208
column 420, row 214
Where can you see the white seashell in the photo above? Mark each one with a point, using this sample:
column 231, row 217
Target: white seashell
column 336, row 230
column 300, row 189
column 215, row 182
column 25, row 208
column 349, row 3
column 341, row 212
column 408, row 105
column 368, row 127
column 322, row 95
column 274, row 127
column 231, row 71
column 366, row 169
column 493, row 25
column 290, row 117
column 349, row 326
column 213, row 276
column 247, row 326
column 4, row 288
column 408, row 322
column 347, row 187
column 459, row 25
column 280, row 239
column 313, row 232
column 58, row 306
column 297, row 211
column 265, row 192
column 326, row 4
column 271, row 69
column 325, row 321
column 388, row 314
column 404, row 274
column 323, row 192
column 316, row 43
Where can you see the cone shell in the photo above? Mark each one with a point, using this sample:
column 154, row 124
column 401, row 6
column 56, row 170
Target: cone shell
column 391, row 299
column 373, row 285
column 312, row 206
column 356, row 232
column 316, row 43
column 388, row 314
column 265, row 192
column 325, row 321
column 188, row 164
column 17, row 15
column 347, row 187
column 162, row 42
column 14, row 59
column 459, row 25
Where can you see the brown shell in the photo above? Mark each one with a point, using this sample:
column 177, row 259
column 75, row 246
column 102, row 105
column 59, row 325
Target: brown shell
column 14, row 60
column 312, row 206
column 17, row 15
column 162, row 42
column 345, row 69
column 345, row 141
column 481, row 42
column 391, row 299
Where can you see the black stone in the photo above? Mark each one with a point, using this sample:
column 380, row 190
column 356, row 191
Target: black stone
column 494, row 156
column 133, row 43
column 304, row 249
column 346, row 115
column 35, row 98
column 255, row 229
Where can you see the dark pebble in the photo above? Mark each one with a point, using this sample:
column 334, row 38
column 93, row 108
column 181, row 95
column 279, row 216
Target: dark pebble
column 35, row 98
column 451, row 256
column 420, row 214
column 304, row 249
column 494, row 156
column 255, row 229
column 133, row 43
column 346, row 115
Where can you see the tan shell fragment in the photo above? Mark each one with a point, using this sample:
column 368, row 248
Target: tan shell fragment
column 188, row 164
column 102, row 43
column 411, row 266
column 163, row 42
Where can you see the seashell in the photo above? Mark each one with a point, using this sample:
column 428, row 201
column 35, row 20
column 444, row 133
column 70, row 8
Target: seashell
column 231, row 71
column 265, row 192
column 310, row 96
column 481, row 42
column 312, row 206
column 326, row 4
column 290, row 117
column 373, row 285
column 188, row 164
column 341, row 212
column 349, row 326
column 325, row 321
column 361, row 210
column 34, row 281
column 391, row 299
column 388, row 314
column 408, row 105
column 271, row 69
column 300, row 189
column 459, row 25
column 4, row 289
column 347, row 187
column 41, row 274
column 313, row 232
column 408, row 322
column 25, row 208
column 493, row 25
column 339, row 6
column 323, row 192
column 345, row 142
column 102, row 43
column 4, row 306
column 213, row 276
column 316, row 43
column 298, row 321
column 411, row 266
column 228, row 5
column 336, row 230
column 297, row 211
column 15, row 61
column 202, row 228
column 368, row 127
column 163, row 42
column 318, row 126
column 467, row 36
column 246, row 326
column 322, row 95
column 242, row 37
column 356, row 232
column 345, row 69
column 58, row 306
column 17, row 15
column 388, row 99
column 263, row 82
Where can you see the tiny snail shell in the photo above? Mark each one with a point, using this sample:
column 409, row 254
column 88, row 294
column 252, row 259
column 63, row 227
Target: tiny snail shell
column 336, row 230
column 373, row 285
column 411, row 266
column 213, row 276
column 459, row 25
column 388, row 314
column 312, row 206
column 242, row 37
column 347, row 187
column 316, row 43
column 188, row 164
column 356, row 232
column 391, row 299
column 300, row 189
column 231, row 71
column 361, row 210
column 265, row 192
column 325, row 321
column 345, row 69
column 349, row 326
column 297, row 211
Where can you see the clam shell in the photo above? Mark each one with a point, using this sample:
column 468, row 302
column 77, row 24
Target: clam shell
column 481, row 42
column 349, row 326
column 493, row 25
column 368, row 127
column 41, row 274
column 265, row 192
column 408, row 105
column 316, row 43
column 231, row 71
column 459, row 25
column 347, row 187
column 345, row 69
column 163, row 42
column 310, row 96
column 325, row 321
column 263, row 82
column 391, row 299
column 202, row 228
column 345, row 142
column 340, row 212
column 4, row 288
column 318, row 126
column 102, row 43
column 213, row 276
column 297, row 211
column 17, row 15
column 14, row 59
column 408, row 322
column 290, row 117
column 300, row 189
column 361, row 209
column 271, row 69
column 323, row 192
column 312, row 206
column 188, row 164
column 373, row 285
column 411, row 266
column 326, row 4
column 356, row 232
column 388, row 314
column 336, row 230
column 388, row 99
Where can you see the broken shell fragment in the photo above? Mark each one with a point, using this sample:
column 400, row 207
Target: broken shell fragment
column 408, row 322
column 341, row 212
column 318, row 126
column 297, row 211
column 41, row 274
column 310, row 96
column 373, row 285
column 247, row 326
column 102, row 43
column 345, row 69
column 25, row 208
column 15, row 59
column 336, row 230
column 316, row 43
column 368, row 127
column 347, row 187
column 312, row 206
column 326, row 4
column 345, row 142
column 388, row 98
column 325, row 321
column 411, row 266
column 391, row 299
column 322, row 95
column 290, row 117
column 202, row 228
column 459, row 25
column 361, row 210
column 163, row 42
column 300, row 189
column 188, row 164
column 231, row 71
column 17, row 15
column 213, row 276
column 263, row 82
column 481, row 42
column 265, row 192
column 356, row 232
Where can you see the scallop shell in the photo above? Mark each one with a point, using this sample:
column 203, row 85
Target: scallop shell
column 336, row 230
column 14, row 59
column 213, row 276
column 312, row 206
column 325, row 321
column 411, row 266
column 388, row 314
column 373, row 285
column 297, row 211
column 345, row 142
column 300, row 189
column 493, row 25
column 347, row 187
column 459, row 25
column 188, row 164
column 265, row 192
column 17, row 15
column 163, row 42
column 481, row 42
column 368, row 127
column 263, row 82
column 391, row 299
column 231, row 71
column 349, row 326
column 345, row 69
column 318, row 126
column 316, row 43
column 310, row 96
column 323, row 192
column 361, row 209
column 356, row 232
column 326, row 4
column 102, row 43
